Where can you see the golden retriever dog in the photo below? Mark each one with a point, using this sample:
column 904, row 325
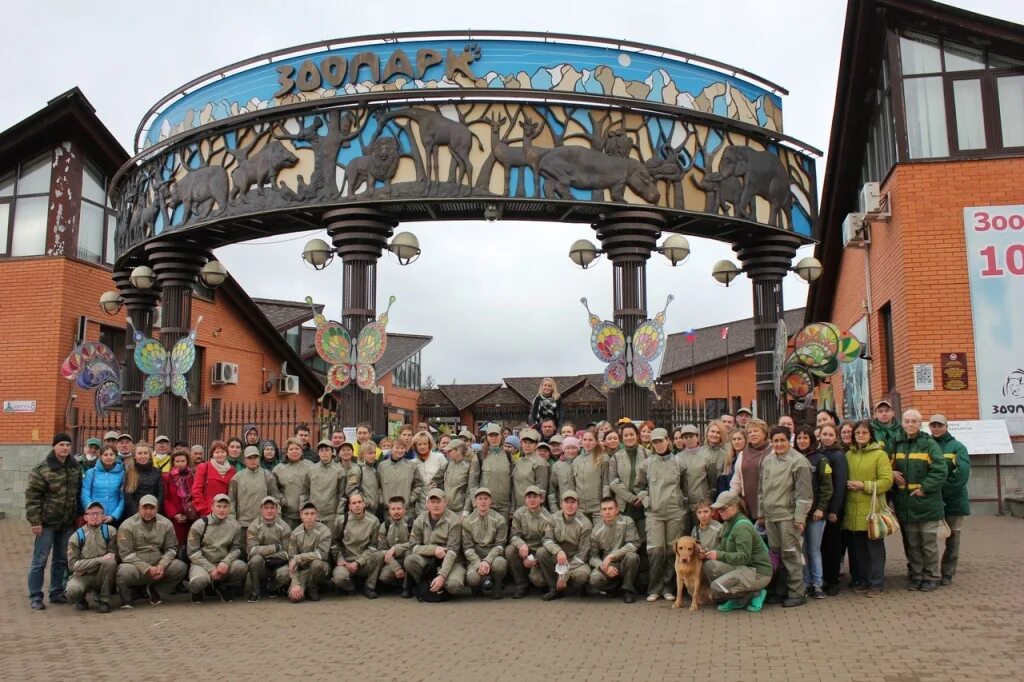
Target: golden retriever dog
column 689, row 572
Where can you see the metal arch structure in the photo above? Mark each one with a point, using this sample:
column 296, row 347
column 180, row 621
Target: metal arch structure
column 450, row 126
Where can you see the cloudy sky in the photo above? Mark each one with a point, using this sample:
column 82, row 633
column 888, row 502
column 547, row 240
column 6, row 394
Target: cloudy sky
column 499, row 299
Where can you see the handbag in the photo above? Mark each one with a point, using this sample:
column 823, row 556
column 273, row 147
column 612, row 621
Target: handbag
column 881, row 522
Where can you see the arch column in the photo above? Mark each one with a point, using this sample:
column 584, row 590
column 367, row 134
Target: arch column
column 360, row 236
column 628, row 238
column 766, row 260
column 177, row 266
column 140, row 306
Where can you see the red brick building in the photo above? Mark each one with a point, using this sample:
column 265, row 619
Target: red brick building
column 928, row 122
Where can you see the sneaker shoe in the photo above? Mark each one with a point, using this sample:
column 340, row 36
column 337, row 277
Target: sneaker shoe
column 551, row 595
column 520, row 592
column 946, row 581
column 37, row 604
column 103, row 607
column 81, row 605
column 154, row 596
column 795, row 601
column 253, row 597
column 197, row 597
column 668, row 596
column 757, row 601
column 928, row 586
column 59, row 599
column 652, row 597
column 629, row 596
column 871, row 594
column 914, row 585
column 370, row 593
column 832, row 590
column 774, row 598
column 126, row 597
column 817, row 592
column 313, row 594
column 859, row 587
column 730, row 605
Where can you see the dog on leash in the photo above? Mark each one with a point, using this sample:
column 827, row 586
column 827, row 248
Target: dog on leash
column 689, row 573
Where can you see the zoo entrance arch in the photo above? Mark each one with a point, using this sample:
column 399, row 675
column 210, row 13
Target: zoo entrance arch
column 358, row 135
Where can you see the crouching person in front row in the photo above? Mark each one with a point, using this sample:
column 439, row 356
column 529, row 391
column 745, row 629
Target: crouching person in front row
column 354, row 547
column 215, row 548
column 393, row 545
column 437, row 535
column 613, row 552
column 484, row 534
column 92, row 560
column 566, row 550
column 309, row 550
column 148, row 549
column 740, row 570
column 266, row 544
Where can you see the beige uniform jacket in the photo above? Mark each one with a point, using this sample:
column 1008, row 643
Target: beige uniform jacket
column 700, row 473
column 327, row 490
column 615, row 540
column 212, row 540
column 84, row 557
column 144, row 545
column 527, row 471
column 247, row 489
column 483, row 538
column 353, row 474
column 560, row 479
column 785, row 491
column 359, row 541
column 662, row 487
column 428, row 535
column 268, row 540
column 292, row 482
column 394, row 535
column 528, row 528
column 455, row 484
column 592, row 483
column 305, row 546
column 369, row 484
column 401, row 478
column 571, row 536
column 493, row 471
column 621, row 469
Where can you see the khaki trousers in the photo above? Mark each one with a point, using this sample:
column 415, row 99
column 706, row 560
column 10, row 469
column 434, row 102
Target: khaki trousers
column 100, row 581
column 734, row 582
column 628, row 566
column 784, row 538
column 342, row 577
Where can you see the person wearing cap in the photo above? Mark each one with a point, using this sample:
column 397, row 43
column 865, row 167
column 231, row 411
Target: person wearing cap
column 162, row 454
column 51, row 504
column 369, row 482
column 492, row 469
column 110, row 438
column 309, row 550
column 743, row 417
column 556, row 447
column 393, row 545
column 548, row 428
column 624, row 467
column 466, row 436
column 437, row 535
column 527, row 537
column 530, row 468
column 560, row 477
column 336, row 439
column 484, row 536
column 354, row 548
column 589, row 474
column 90, row 454
column 614, row 560
column 92, row 560
column 266, row 550
column 700, row 471
column 326, row 485
column 401, row 477
column 125, row 445
column 351, row 471
column 292, row 476
column 565, row 552
column 661, row 488
column 215, row 548
column 148, row 550
column 919, row 472
column 544, row 451
column 740, row 570
column 249, row 486
column 886, row 426
column 455, row 477
column 103, row 483
column 955, row 498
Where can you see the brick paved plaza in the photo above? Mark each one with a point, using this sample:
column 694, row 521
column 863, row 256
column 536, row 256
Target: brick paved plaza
column 969, row 631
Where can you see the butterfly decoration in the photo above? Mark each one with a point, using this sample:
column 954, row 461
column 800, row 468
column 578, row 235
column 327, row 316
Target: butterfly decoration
column 165, row 370
column 347, row 362
column 92, row 365
column 818, row 351
column 627, row 357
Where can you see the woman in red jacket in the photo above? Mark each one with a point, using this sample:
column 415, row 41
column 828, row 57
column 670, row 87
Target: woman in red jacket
column 212, row 478
column 178, row 505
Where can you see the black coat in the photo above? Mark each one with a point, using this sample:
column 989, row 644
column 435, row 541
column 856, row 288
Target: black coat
column 150, row 483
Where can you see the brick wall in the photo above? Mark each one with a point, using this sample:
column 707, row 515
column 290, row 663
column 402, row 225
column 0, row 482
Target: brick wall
column 711, row 383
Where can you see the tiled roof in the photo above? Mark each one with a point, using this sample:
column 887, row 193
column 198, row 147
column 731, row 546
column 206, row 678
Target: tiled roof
column 286, row 314
column 503, row 396
column 400, row 348
column 434, row 396
column 710, row 346
column 527, row 386
column 464, row 395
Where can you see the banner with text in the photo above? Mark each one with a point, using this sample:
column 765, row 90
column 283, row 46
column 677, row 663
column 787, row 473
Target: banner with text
column 995, row 259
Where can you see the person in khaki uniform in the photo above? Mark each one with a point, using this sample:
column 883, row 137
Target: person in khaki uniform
column 589, row 475
column 215, row 550
column 436, row 534
column 561, row 477
column 566, row 549
column 292, row 476
column 700, row 472
column 455, row 479
column 393, row 545
column 248, row 487
column 492, row 469
column 352, row 472
column 326, row 488
column 354, row 548
column 624, row 476
column 369, row 482
column 266, row 545
column 309, row 550
column 785, row 497
column 92, row 561
column 484, row 534
column 148, row 550
column 530, row 468
column 740, row 570
column 661, row 488
column 400, row 477
column 613, row 552
column 528, row 525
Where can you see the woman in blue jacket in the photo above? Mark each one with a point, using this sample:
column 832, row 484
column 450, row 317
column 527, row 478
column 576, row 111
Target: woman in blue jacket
column 102, row 484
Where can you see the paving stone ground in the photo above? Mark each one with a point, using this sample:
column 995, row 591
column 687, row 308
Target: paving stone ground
column 971, row 630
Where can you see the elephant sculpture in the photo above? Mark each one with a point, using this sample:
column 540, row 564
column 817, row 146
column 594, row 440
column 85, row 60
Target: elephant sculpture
column 764, row 175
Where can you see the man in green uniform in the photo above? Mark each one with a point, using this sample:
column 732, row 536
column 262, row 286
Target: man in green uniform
column 484, row 534
column 148, row 550
column 492, row 469
column 528, row 525
column 215, row 547
column 393, row 545
column 954, row 492
column 92, row 561
column 613, row 552
column 436, row 534
column 354, row 548
column 566, row 550
column 400, row 477
column 309, row 550
column 266, row 543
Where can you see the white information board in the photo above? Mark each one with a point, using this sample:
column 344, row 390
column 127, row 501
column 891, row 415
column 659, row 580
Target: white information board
column 983, row 436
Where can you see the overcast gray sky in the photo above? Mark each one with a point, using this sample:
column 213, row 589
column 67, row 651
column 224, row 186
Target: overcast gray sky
column 499, row 299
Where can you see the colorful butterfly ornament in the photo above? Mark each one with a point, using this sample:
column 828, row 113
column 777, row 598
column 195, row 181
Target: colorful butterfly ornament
column 627, row 357
column 348, row 363
column 92, row 365
column 165, row 370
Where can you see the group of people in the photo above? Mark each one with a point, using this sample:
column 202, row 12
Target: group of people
column 774, row 509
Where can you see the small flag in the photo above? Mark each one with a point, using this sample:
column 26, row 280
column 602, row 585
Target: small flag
column 725, row 333
column 691, row 335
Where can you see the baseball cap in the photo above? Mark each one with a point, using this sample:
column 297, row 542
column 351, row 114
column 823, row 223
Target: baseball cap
column 251, row 451
column 348, row 445
column 309, row 505
column 480, row 491
column 745, row 410
column 324, row 443
column 689, row 428
column 726, row 499
column 438, row 494
column 95, row 503
column 492, row 428
column 465, row 434
column 94, row 441
column 110, row 435
column 535, row 491
column 570, row 494
column 126, row 435
column 529, row 434
column 452, row 444
column 556, row 439
column 883, row 401
column 546, row 446
column 147, row 501
column 938, row 419
column 659, row 434
column 271, row 499
column 221, row 496
column 161, row 438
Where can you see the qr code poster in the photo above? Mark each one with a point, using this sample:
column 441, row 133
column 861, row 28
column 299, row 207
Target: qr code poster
column 924, row 377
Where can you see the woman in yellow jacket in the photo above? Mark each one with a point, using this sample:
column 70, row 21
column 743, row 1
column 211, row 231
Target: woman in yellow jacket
column 869, row 472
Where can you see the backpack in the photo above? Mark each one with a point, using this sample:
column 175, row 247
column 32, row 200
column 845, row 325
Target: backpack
column 423, row 593
column 104, row 529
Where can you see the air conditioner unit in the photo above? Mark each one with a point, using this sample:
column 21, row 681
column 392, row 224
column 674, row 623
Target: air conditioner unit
column 870, row 197
column 224, row 373
column 854, row 230
column 288, row 384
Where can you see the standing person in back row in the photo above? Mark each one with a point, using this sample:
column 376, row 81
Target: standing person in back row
column 885, row 425
column 530, row 469
column 248, row 487
column 492, row 469
column 954, row 492
column 546, row 405
column 662, row 490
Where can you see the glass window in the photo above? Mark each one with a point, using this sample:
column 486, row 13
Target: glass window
column 996, row 61
column 1011, row 110
column 926, row 117
column 114, row 339
column 30, row 226
column 90, row 232
column 920, row 54
column 7, row 185
column 970, row 119
column 35, row 176
column 293, row 337
column 963, row 58
column 92, row 186
column 5, row 215
column 111, row 229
